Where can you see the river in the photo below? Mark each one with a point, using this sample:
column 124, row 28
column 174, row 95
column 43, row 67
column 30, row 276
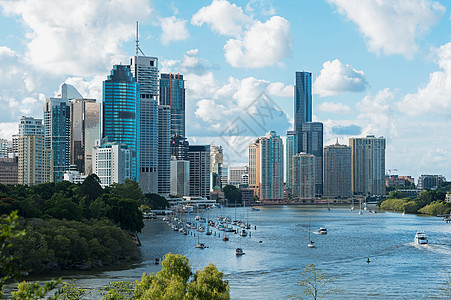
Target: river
column 270, row 269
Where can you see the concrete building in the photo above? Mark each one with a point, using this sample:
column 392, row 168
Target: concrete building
column 368, row 165
column 112, row 163
column 216, row 161
column 85, row 130
column 164, row 150
column 179, row 147
column 239, row 175
column 266, row 167
column 74, row 176
column 337, row 171
column 291, row 148
column 396, row 180
column 3, row 148
column 430, row 181
column 199, row 170
column 225, row 175
column 304, row 176
column 311, row 141
column 180, row 179
column 9, row 171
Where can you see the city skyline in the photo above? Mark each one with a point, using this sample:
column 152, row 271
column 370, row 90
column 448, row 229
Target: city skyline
column 366, row 80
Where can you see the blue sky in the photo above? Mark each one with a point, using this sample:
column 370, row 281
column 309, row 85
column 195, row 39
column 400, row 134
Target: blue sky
column 380, row 67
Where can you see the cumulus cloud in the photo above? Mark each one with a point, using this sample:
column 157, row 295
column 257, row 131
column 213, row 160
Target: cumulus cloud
column 223, row 17
column 331, row 107
column 392, row 26
column 336, row 78
column 435, row 96
column 262, row 6
column 173, row 30
column 255, row 44
column 85, row 41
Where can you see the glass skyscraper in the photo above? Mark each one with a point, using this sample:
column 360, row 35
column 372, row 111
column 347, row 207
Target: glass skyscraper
column 302, row 101
column 311, row 141
column 291, row 149
column 172, row 93
column 121, row 113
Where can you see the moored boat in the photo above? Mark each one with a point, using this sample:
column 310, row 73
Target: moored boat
column 421, row 238
column 239, row 251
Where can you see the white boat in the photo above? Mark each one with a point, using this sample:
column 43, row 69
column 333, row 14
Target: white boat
column 239, row 252
column 322, row 230
column 311, row 244
column 200, row 246
column 243, row 233
column 421, row 238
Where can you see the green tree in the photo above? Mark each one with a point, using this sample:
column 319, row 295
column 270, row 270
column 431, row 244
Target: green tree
column 156, row 201
column 315, row 284
column 127, row 190
column 232, row 193
column 118, row 290
column 91, row 189
column 208, row 284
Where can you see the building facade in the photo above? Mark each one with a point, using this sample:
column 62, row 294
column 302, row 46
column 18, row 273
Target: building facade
column 368, row 165
column 3, row 148
column 9, row 170
column 311, row 142
column 85, row 130
column 172, row 93
column 238, row 175
column 291, row 148
column 121, row 114
column 199, row 170
column 180, row 183
column 304, row 176
column 430, row 181
column 337, row 171
column 164, row 150
column 302, row 101
column 112, row 163
column 216, row 162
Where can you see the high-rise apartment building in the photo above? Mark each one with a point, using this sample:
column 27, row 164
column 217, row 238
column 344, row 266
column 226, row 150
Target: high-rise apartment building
column 111, row 162
column 121, row 114
column 311, row 141
column 3, row 148
column 225, row 175
column 85, row 115
column 145, row 71
column 368, row 165
column 179, row 147
column 199, row 170
column 35, row 161
column 180, row 181
column 266, row 167
column 302, row 100
column 9, row 170
column 304, row 176
column 430, row 181
column 238, row 175
column 337, row 171
column 164, row 150
column 172, row 93
column 291, row 149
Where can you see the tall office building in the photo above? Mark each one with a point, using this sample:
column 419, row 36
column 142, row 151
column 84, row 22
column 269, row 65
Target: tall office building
column 266, row 167
column 8, row 170
column 180, row 182
column 368, row 165
column 237, row 175
column 85, row 115
column 121, row 114
column 225, row 175
column 3, row 148
column 311, row 141
column 199, row 170
column 145, row 71
column 304, row 176
column 302, row 101
column 179, row 147
column 337, row 171
column 35, row 161
column 172, row 93
column 291, row 149
column 164, row 150
column 111, row 163
column 216, row 161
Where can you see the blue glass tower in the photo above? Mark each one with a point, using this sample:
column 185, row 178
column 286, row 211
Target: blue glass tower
column 121, row 113
column 302, row 102
column 172, row 93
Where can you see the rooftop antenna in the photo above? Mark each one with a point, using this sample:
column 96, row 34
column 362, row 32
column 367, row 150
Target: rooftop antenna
column 137, row 42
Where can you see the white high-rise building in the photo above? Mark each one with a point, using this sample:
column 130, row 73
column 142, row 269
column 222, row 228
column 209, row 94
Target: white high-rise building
column 3, row 148
column 111, row 163
column 180, row 182
column 238, row 175
column 303, row 185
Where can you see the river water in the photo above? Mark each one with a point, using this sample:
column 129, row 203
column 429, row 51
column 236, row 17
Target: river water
column 270, row 269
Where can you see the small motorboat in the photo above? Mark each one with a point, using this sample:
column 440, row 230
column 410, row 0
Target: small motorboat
column 200, row 246
column 322, row 230
column 421, row 238
column 239, row 252
column 225, row 239
column 311, row 244
column 243, row 233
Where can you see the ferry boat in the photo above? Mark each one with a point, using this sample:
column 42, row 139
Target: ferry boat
column 239, row 252
column 322, row 230
column 421, row 238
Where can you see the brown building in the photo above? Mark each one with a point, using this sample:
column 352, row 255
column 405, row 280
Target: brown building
column 8, row 170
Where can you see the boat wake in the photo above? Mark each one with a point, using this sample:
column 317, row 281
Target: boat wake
column 436, row 248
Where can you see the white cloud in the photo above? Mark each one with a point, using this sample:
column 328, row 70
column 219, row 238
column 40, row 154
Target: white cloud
column 336, row 108
column 262, row 6
column 392, row 26
column 264, row 44
column 88, row 89
column 336, row 78
column 435, row 96
column 280, row 89
column 173, row 30
column 85, row 41
column 223, row 17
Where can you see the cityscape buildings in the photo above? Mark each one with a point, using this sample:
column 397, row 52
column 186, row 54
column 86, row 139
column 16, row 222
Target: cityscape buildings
column 3, row 148
column 172, row 93
column 8, row 170
column 430, row 181
column 368, row 165
column 302, row 101
column 337, row 171
column 304, row 176
column 199, row 170
column 291, row 148
column 121, row 118
column 239, row 175
column 164, row 150
column 216, row 161
column 180, row 181
column 112, row 163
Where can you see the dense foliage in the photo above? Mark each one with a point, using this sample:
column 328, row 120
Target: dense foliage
column 427, row 202
column 74, row 226
column 232, row 193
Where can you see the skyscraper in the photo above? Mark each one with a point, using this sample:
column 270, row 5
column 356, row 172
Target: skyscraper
column 145, row 71
column 172, row 93
column 311, row 141
column 237, row 174
column 164, row 150
column 199, row 170
column 304, row 176
column 180, row 183
column 121, row 113
column 111, row 163
column 302, row 100
column 291, row 149
column 266, row 167
column 84, row 131
column 3, row 148
column 368, row 165
column 179, row 147
column 337, row 171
